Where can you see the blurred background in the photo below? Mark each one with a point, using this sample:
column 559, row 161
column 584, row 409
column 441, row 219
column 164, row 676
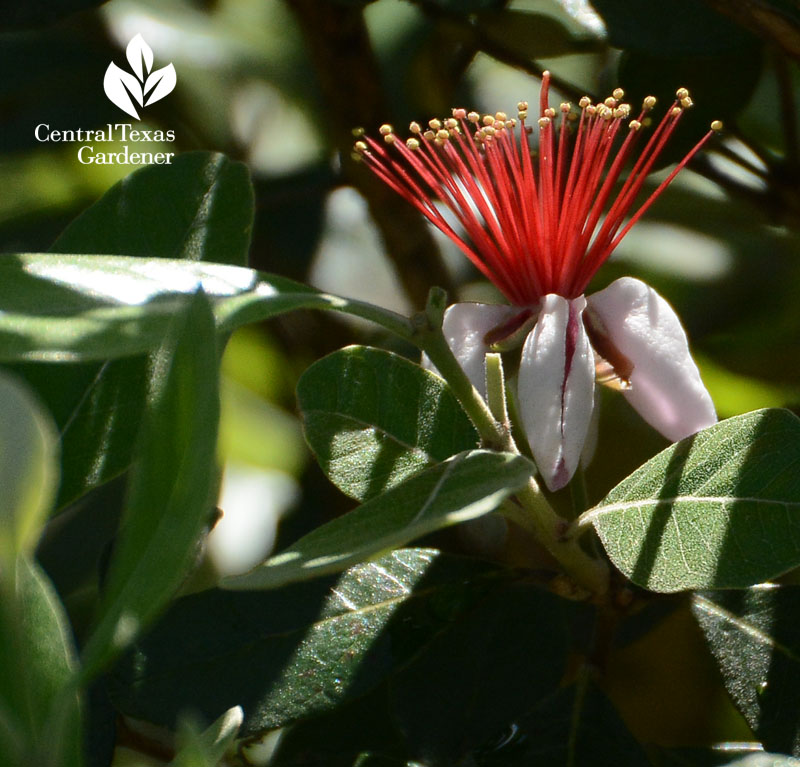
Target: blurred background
column 280, row 84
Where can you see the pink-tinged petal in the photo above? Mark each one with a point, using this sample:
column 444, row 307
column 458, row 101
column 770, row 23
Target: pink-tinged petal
column 665, row 385
column 556, row 388
column 465, row 327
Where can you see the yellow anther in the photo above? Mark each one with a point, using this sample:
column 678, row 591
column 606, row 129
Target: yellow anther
column 500, row 117
column 442, row 134
column 565, row 106
column 390, row 138
column 675, row 111
column 610, row 102
column 412, row 143
column 550, row 112
column 415, row 127
column 474, row 117
column 435, row 124
column 451, row 123
column 488, row 130
column 634, row 125
column 522, row 114
column 618, row 93
column 584, row 102
column 681, row 93
column 360, row 146
column 716, row 126
column 429, row 135
column 544, row 122
column 687, row 102
column 649, row 102
column 459, row 114
column 591, row 110
column 522, row 106
column 512, row 123
column 356, row 157
column 488, row 120
column 358, row 132
column 385, row 129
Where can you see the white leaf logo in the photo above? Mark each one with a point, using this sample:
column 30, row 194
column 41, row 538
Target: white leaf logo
column 144, row 86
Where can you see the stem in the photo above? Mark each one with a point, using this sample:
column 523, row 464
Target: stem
column 578, row 492
column 496, row 388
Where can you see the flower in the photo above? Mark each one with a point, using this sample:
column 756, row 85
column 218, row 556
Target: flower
column 539, row 228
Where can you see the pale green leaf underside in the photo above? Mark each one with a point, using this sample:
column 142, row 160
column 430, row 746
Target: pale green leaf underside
column 81, row 307
column 717, row 510
column 465, row 487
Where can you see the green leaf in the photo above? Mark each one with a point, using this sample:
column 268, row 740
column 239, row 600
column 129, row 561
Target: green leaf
column 464, row 487
column 199, row 208
column 39, row 710
column 754, row 636
column 373, row 419
column 28, row 469
column 680, row 27
column 720, row 509
column 477, row 677
column 533, row 35
column 70, row 308
column 172, row 487
column 206, row 748
column 304, row 650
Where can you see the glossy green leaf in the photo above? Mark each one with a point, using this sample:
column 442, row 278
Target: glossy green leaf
column 28, row 469
column 207, row 747
column 199, row 208
column 680, row 27
column 475, row 679
column 170, row 498
column 39, row 712
column 720, row 509
column 306, row 649
column 464, row 487
column 754, row 636
column 373, row 419
column 70, row 308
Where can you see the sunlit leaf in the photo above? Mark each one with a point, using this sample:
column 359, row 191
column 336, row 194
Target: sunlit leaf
column 39, row 712
column 754, row 636
column 299, row 651
column 373, row 419
column 28, row 469
column 171, row 493
column 720, row 509
column 464, row 487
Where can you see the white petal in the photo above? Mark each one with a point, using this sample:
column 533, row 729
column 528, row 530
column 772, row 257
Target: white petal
column 556, row 388
column 465, row 327
column 666, row 388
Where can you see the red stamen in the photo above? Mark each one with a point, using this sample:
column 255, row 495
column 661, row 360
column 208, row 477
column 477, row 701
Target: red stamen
column 530, row 228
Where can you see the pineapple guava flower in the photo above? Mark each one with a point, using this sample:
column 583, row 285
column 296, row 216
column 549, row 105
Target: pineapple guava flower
column 539, row 227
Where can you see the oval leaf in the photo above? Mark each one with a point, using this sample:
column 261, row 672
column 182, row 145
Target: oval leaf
column 40, row 722
column 373, row 419
column 28, row 469
column 171, row 491
column 720, row 509
column 755, row 640
column 464, row 487
column 300, row 651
